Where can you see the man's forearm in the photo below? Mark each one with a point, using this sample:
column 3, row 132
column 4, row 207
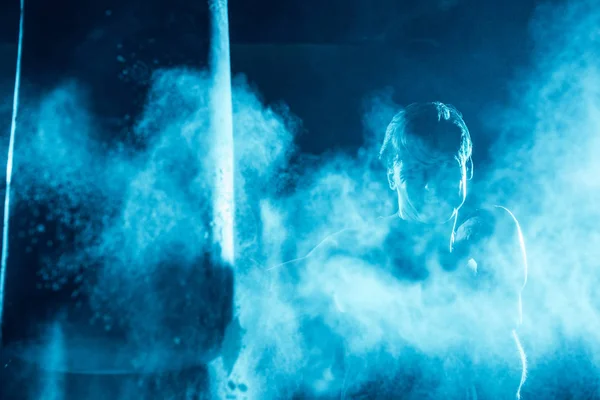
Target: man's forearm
column 523, row 357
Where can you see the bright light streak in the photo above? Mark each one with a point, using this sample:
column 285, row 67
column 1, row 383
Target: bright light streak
column 9, row 166
column 222, row 129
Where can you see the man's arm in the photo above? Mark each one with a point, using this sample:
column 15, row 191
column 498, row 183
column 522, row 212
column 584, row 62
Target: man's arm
column 513, row 246
column 493, row 243
column 328, row 244
column 517, row 245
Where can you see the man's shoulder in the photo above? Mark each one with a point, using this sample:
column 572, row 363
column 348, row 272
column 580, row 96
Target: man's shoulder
column 488, row 221
column 492, row 237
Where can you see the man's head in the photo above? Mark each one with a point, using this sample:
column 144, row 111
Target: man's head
column 427, row 151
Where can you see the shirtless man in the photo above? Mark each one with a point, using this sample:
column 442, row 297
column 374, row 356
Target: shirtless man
column 477, row 262
column 427, row 152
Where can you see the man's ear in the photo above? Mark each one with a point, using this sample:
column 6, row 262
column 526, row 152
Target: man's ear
column 391, row 178
column 469, row 168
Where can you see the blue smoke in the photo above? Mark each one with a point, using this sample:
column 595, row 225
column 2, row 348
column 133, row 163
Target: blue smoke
column 135, row 206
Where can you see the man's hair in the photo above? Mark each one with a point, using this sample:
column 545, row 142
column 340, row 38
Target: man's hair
column 438, row 126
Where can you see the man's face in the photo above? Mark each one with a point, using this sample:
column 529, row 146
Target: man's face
column 430, row 186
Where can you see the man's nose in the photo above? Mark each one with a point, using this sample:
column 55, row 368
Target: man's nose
column 430, row 187
column 426, row 177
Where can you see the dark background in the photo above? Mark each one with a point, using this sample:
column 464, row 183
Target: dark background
column 322, row 58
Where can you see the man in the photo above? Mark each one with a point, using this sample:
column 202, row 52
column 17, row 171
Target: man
column 469, row 272
column 427, row 151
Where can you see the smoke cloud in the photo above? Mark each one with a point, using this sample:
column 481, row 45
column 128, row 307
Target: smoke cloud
column 120, row 209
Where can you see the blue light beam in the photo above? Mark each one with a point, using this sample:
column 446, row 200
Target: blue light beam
column 9, row 166
column 222, row 128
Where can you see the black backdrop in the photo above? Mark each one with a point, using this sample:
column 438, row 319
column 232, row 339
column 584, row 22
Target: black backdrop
column 322, row 58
